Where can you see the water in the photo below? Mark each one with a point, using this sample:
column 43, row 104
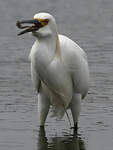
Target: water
column 90, row 24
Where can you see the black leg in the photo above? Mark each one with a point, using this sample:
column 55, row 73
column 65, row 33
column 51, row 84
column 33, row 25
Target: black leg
column 41, row 126
column 76, row 128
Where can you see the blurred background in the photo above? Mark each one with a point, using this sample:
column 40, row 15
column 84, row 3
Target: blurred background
column 90, row 24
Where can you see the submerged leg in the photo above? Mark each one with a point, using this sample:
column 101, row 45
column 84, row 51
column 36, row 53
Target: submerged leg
column 75, row 109
column 43, row 107
column 76, row 128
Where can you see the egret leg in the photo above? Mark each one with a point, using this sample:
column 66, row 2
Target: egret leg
column 75, row 109
column 76, row 128
column 43, row 107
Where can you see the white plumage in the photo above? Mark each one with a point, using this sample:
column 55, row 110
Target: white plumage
column 59, row 70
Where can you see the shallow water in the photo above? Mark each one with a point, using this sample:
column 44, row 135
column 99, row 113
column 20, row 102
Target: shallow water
column 90, row 24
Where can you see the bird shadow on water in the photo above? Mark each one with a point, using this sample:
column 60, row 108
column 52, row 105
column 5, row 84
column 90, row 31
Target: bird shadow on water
column 70, row 142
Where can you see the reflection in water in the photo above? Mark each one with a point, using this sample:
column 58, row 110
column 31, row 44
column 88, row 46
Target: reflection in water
column 70, row 142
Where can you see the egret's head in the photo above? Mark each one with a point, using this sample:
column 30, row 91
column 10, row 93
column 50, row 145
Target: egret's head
column 42, row 22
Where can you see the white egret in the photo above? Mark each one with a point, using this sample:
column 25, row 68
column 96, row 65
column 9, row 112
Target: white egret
column 59, row 69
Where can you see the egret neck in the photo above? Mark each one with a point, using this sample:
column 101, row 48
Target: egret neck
column 47, row 45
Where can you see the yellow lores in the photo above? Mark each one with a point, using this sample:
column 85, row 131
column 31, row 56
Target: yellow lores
column 44, row 22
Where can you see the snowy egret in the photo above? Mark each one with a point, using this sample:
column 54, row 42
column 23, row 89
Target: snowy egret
column 59, row 68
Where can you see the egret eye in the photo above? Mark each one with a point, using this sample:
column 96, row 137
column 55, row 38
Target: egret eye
column 44, row 22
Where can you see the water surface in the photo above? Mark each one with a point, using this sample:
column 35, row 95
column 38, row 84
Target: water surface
column 90, row 24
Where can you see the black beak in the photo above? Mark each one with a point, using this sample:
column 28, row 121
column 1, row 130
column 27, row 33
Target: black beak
column 36, row 25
